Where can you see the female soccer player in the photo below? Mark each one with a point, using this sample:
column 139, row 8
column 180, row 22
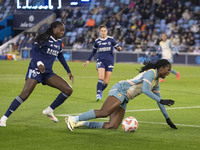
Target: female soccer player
column 166, row 47
column 120, row 94
column 46, row 48
column 105, row 62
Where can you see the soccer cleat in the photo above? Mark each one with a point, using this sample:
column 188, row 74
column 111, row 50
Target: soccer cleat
column 98, row 97
column 161, row 80
column 178, row 76
column 79, row 124
column 2, row 124
column 70, row 123
column 50, row 115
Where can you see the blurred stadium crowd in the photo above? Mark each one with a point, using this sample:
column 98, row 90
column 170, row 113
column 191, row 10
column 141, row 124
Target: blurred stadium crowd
column 135, row 24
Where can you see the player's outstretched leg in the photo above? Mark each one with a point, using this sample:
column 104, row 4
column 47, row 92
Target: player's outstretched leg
column 70, row 123
column 3, row 121
column 49, row 113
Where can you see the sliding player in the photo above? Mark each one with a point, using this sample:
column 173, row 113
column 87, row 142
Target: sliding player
column 146, row 82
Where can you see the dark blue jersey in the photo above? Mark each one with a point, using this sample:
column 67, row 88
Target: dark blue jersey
column 105, row 48
column 47, row 53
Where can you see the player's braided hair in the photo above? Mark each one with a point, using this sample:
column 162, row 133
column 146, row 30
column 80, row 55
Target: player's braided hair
column 157, row 65
column 44, row 37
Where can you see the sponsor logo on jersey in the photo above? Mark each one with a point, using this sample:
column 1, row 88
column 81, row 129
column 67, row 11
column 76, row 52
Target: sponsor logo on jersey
column 103, row 49
column 52, row 52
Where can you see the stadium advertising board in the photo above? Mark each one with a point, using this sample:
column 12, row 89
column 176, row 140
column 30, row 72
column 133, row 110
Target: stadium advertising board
column 24, row 20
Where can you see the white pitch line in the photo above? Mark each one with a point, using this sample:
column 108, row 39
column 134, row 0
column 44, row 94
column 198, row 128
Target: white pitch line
column 156, row 109
column 166, row 108
column 184, row 125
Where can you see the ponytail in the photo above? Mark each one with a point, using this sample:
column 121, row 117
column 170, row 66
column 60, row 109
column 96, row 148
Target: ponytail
column 157, row 65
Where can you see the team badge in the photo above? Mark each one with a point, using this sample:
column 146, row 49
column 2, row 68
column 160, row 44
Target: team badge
column 120, row 95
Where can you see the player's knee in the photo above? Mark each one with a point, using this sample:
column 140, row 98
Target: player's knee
column 68, row 91
column 104, row 113
column 25, row 94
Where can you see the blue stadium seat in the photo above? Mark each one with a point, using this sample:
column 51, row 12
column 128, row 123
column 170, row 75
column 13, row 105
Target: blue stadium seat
column 68, row 34
column 163, row 21
column 80, row 30
column 191, row 22
column 84, row 16
column 98, row 19
column 116, row 9
column 196, row 36
column 197, row 8
column 122, row 1
column 74, row 34
column 94, row 17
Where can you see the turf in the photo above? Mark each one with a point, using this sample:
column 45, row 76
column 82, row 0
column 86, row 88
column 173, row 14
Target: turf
column 27, row 128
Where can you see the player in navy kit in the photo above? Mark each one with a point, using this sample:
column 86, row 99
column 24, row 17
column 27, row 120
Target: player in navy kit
column 105, row 62
column 146, row 82
column 46, row 48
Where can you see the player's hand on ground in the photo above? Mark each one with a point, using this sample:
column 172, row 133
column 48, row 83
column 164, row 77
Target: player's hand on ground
column 41, row 68
column 171, row 124
column 167, row 102
column 71, row 77
column 87, row 62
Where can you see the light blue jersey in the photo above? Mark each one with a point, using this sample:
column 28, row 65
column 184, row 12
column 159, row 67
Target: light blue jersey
column 146, row 82
column 166, row 48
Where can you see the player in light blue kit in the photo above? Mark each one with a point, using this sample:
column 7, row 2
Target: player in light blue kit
column 166, row 47
column 46, row 48
column 105, row 62
column 120, row 94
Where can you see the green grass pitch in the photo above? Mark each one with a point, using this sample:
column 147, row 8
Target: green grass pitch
column 28, row 129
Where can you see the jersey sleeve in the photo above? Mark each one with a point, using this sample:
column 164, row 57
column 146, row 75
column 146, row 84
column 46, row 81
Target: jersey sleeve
column 156, row 91
column 36, row 52
column 173, row 47
column 159, row 50
column 63, row 62
column 114, row 43
column 93, row 52
column 148, row 77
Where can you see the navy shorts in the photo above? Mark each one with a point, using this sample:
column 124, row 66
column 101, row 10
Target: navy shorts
column 40, row 77
column 108, row 65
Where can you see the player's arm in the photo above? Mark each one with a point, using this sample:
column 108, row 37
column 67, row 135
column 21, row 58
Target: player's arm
column 36, row 54
column 174, row 48
column 146, row 89
column 156, row 91
column 65, row 65
column 159, row 49
column 116, row 46
column 91, row 55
